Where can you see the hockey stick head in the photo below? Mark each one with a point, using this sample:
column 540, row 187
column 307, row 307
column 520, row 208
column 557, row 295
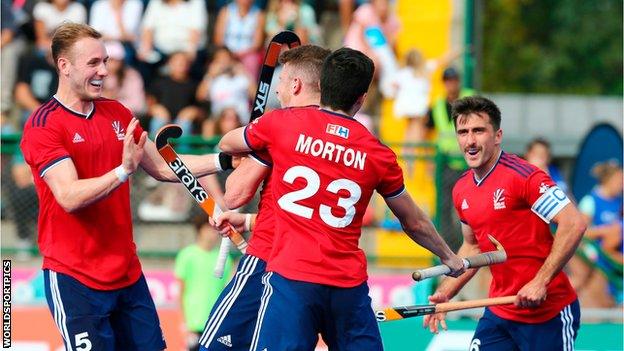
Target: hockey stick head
column 166, row 132
column 287, row 37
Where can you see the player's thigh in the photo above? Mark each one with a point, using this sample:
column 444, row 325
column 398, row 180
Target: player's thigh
column 290, row 315
column 135, row 321
column 492, row 334
column 556, row 334
column 350, row 322
column 80, row 313
column 233, row 317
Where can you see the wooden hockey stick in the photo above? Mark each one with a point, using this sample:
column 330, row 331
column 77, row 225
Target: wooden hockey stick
column 395, row 313
column 484, row 259
column 187, row 178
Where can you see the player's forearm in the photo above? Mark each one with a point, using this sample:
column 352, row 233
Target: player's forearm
column 569, row 233
column 425, row 234
column 451, row 286
column 80, row 193
column 234, row 143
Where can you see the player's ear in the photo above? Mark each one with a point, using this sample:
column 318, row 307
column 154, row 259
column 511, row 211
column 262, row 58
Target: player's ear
column 498, row 136
column 63, row 65
column 297, row 84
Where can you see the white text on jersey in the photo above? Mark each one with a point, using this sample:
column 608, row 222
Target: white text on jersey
column 331, row 152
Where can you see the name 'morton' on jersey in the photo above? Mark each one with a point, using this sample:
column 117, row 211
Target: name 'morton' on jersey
column 330, row 151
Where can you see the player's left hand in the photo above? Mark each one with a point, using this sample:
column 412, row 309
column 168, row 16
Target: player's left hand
column 222, row 224
column 531, row 295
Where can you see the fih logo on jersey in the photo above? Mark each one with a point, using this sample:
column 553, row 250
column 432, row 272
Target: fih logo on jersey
column 499, row 199
column 119, row 130
column 337, row 130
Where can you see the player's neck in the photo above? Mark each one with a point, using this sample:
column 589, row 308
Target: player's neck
column 308, row 100
column 485, row 169
column 341, row 112
column 70, row 100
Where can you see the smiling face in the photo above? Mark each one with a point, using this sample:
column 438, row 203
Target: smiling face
column 84, row 67
column 479, row 142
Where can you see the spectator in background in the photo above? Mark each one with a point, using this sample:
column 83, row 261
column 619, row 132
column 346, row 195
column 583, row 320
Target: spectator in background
column 596, row 271
column 50, row 14
column 123, row 83
column 294, row 16
column 239, row 28
column 226, row 84
column 23, row 205
column 411, row 87
column 538, row 153
column 36, row 80
column 9, row 55
column 441, row 120
column 171, row 26
column 377, row 13
column 199, row 288
column 172, row 98
column 118, row 20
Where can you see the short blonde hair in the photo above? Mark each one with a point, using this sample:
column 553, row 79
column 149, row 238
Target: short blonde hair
column 67, row 34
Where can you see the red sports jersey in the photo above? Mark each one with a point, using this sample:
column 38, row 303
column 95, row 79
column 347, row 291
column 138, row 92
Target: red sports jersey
column 261, row 240
column 325, row 169
column 93, row 244
column 514, row 203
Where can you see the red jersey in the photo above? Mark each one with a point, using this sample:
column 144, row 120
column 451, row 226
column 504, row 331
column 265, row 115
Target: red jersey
column 325, row 169
column 93, row 244
column 514, row 203
column 261, row 240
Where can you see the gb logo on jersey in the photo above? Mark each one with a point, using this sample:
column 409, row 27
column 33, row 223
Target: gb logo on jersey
column 499, row 199
column 337, row 130
column 119, row 130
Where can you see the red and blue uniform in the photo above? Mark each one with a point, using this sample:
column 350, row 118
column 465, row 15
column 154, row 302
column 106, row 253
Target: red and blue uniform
column 515, row 203
column 89, row 253
column 326, row 167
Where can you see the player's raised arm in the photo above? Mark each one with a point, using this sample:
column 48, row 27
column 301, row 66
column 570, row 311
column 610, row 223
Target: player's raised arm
column 420, row 229
column 242, row 184
column 73, row 193
column 233, row 142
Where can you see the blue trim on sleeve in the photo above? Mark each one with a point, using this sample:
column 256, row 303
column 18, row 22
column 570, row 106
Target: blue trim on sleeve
column 51, row 164
column 395, row 193
column 260, row 159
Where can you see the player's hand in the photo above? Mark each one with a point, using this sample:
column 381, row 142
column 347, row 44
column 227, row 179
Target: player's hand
column 431, row 321
column 235, row 219
column 456, row 265
column 531, row 295
column 132, row 152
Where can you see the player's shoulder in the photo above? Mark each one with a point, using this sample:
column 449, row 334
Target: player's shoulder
column 103, row 102
column 44, row 116
column 462, row 182
column 516, row 167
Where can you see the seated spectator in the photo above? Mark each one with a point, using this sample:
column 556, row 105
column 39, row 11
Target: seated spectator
column 226, row 84
column 23, row 206
column 172, row 97
column 171, row 26
column 294, row 16
column 538, row 153
column 50, row 14
column 9, row 54
column 596, row 271
column 123, row 83
column 239, row 28
column 118, row 20
column 377, row 13
column 36, row 81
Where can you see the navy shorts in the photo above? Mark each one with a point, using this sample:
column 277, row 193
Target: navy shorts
column 293, row 313
column 89, row 319
column 233, row 317
column 559, row 333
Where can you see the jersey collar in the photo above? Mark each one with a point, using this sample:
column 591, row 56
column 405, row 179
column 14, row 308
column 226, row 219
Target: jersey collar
column 337, row 114
column 88, row 115
column 478, row 182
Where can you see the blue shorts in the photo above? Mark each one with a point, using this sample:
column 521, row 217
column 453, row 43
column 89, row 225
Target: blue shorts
column 89, row 319
column 559, row 333
column 293, row 313
column 233, row 317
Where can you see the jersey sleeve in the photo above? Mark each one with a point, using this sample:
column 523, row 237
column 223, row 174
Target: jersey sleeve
column 392, row 184
column 262, row 157
column 458, row 203
column 43, row 148
column 544, row 196
column 258, row 133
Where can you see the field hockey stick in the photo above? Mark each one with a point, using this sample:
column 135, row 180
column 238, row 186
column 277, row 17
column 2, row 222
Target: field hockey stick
column 268, row 67
column 395, row 313
column 262, row 92
column 484, row 259
column 187, row 178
